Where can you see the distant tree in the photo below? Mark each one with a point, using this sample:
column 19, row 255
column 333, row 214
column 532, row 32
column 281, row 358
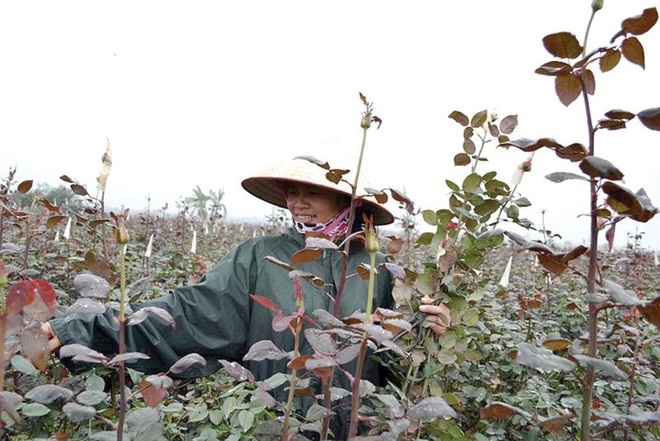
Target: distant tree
column 217, row 209
column 198, row 203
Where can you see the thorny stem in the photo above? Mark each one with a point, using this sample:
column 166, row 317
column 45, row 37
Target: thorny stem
column 631, row 387
column 355, row 395
column 3, row 335
column 592, row 319
column 28, row 236
column 122, row 341
column 327, row 403
column 363, row 350
column 2, row 216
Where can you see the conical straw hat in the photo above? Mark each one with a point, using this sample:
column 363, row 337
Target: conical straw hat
column 266, row 185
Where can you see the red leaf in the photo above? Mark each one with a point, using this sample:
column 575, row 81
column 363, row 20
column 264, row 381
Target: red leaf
column 18, row 296
column 21, row 298
column 568, row 88
column 281, row 322
column 24, row 186
column 562, row 45
column 633, row 51
column 152, row 396
column 609, row 236
column 265, row 301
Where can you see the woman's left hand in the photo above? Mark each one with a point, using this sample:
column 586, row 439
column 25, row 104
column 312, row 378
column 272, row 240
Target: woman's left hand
column 437, row 316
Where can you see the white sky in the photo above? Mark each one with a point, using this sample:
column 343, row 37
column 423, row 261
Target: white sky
column 206, row 92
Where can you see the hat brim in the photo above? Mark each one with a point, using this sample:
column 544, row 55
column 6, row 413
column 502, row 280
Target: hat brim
column 267, row 186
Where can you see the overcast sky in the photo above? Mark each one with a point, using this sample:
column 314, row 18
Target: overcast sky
column 207, row 92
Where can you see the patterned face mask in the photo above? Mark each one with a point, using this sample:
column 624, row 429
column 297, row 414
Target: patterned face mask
column 334, row 228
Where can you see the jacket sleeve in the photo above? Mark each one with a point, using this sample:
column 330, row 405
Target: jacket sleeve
column 211, row 319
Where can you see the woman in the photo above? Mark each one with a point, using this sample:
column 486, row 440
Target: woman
column 216, row 317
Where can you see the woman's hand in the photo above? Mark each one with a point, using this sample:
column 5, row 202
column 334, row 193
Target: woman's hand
column 53, row 342
column 438, row 316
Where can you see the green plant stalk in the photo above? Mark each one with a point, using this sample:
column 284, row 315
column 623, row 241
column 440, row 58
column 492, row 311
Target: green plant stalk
column 122, row 341
column 340, row 290
column 633, row 373
column 27, row 245
column 351, row 221
column 296, row 352
column 294, row 379
column 481, row 149
column 370, row 291
column 506, row 202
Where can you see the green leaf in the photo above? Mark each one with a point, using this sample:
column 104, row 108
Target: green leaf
column 197, row 413
column 77, row 412
column 606, row 368
column 522, row 202
column 452, row 186
column 513, row 212
column 23, row 365
column 35, row 410
column 542, row 359
column 215, row 416
column 470, row 318
column 94, row 382
column 471, row 183
column 425, row 238
column 600, row 168
column 448, row 339
column 479, row 119
column 430, row 217
column 430, row 409
column 489, row 206
column 469, row 147
column 246, row 419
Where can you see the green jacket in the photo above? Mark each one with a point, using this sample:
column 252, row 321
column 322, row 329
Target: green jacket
column 217, row 319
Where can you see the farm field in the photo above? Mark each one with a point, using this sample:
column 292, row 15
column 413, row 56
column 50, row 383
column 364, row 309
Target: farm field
column 473, row 367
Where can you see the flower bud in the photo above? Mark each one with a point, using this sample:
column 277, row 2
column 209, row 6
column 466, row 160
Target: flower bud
column 597, row 5
column 371, row 240
column 122, row 234
column 366, row 121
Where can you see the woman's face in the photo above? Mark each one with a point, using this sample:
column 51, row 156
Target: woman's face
column 313, row 205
